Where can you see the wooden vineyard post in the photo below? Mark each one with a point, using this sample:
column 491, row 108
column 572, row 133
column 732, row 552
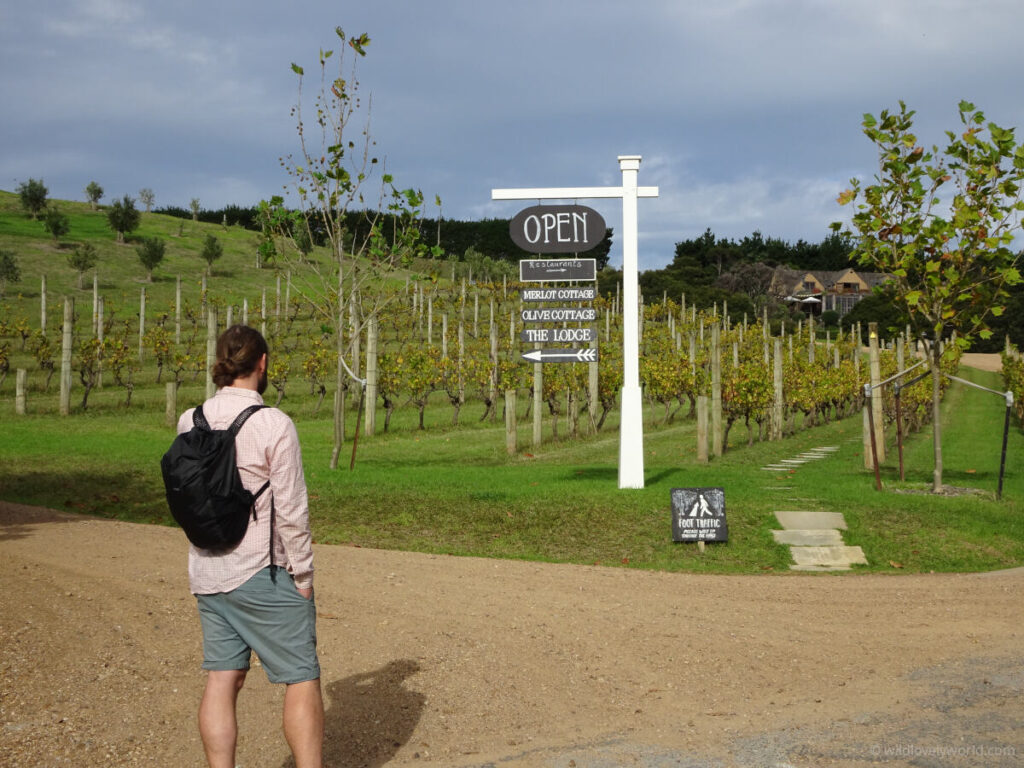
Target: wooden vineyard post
column 95, row 299
column 19, row 391
column 171, row 400
column 99, row 338
column 211, row 350
column 142, row 322
column 538, row 401
column 65, row 357
column 370, row 417
column 876, row 391
column 777, row 398
column 177, row 310
column 42, row 306
column 511, row 435
column 492, row 384
column 702, row 429
column 716, row 392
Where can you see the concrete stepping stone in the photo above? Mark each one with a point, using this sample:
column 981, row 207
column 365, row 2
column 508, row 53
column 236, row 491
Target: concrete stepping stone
column 829, row 537
column 811, row 521
column 820, row 568
column 828, row 556
column 815, row 541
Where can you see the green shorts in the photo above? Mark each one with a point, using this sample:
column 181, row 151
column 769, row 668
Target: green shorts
column 267, row 615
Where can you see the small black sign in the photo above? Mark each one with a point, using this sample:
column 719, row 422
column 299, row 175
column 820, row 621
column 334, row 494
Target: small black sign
column 557, row 229
column 558, row 294
column 698, row 514
column 554, row 270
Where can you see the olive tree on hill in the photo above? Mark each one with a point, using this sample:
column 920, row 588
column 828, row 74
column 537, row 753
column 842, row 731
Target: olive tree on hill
column 33, row 196
column 93, row 193
column 123, row 217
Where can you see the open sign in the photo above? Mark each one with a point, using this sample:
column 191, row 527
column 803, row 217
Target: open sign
column 557, row 229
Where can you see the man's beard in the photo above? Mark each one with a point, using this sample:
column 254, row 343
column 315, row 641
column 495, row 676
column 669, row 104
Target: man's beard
column 261, row 387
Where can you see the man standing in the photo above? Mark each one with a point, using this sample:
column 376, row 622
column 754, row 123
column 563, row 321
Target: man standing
column 258, row 596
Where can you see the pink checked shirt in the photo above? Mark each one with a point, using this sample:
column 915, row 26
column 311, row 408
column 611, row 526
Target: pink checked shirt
column 267, row 446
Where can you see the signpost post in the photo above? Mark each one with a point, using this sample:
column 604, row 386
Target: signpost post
column 631, row 429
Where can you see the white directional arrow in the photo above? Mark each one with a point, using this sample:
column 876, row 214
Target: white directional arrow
column 561, row 356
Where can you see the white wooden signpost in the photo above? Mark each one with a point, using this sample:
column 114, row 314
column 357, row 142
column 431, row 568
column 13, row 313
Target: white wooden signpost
column 631, row 429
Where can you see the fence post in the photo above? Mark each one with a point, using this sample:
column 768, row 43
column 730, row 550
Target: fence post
column 19, row 391
column 65, row 357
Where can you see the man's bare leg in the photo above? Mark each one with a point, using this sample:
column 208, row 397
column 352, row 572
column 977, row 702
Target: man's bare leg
column 304, row 723
column 217, row 724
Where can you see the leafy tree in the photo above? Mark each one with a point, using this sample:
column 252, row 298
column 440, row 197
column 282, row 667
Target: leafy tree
column 82, row 259
column 147, row 197
column 93, row 193
column 123, row 217
column 194, row 207
column 212, row 250
column 151, row 253
column 952, row 260
column 9, row 270
column 33, row 196
column 56, row 223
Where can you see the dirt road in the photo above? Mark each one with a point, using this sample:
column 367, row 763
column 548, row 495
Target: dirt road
column 467, row 662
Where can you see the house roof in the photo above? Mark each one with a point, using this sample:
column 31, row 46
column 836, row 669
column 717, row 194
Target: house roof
column 790, row 282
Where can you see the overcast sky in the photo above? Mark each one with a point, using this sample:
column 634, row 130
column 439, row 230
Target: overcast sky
column 746, row 112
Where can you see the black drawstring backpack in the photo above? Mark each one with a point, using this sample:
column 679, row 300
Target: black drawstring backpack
column 204, row 489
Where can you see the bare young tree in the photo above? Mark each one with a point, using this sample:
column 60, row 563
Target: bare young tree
column 335, row 175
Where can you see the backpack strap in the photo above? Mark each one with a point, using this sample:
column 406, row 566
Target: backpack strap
column 199, row 420
column 240, row 418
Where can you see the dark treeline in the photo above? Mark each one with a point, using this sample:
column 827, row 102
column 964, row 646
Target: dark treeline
column 232, row 215
column 488, row 237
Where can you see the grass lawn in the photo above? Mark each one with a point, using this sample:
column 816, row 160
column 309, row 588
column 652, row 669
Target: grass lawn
column 453, row 490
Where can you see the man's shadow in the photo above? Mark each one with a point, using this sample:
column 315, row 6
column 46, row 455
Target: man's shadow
column 369, row 716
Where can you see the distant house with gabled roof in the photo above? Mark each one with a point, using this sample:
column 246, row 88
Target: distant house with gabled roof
column 822, row 290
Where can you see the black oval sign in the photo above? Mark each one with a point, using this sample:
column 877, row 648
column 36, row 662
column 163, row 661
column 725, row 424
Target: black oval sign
column 557, row 229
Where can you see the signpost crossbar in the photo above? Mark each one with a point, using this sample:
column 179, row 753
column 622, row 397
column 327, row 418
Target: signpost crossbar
column 567, row 193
